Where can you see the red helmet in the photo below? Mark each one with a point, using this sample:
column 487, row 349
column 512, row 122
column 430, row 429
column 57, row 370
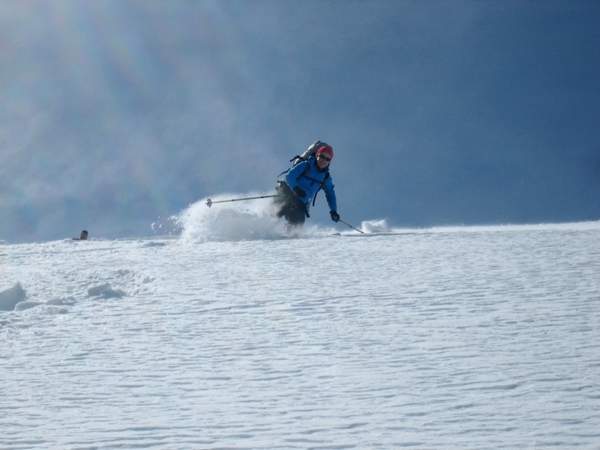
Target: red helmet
column 325, row 149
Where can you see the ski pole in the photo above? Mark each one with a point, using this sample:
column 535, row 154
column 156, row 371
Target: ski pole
column 210, row 202
column 354, row 228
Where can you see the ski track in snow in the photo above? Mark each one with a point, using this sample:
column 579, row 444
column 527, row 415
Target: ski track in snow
column 453, row 338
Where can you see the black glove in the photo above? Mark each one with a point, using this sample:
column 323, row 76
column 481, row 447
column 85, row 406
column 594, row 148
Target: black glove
column 334, row 216
column 299, row 192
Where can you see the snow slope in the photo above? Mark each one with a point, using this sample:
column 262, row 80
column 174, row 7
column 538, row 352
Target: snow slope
column 249, row 337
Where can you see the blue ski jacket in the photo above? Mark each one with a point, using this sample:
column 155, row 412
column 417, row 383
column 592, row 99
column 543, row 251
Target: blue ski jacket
column 309, row 178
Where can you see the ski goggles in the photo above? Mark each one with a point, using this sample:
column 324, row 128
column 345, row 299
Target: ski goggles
column 326, row 158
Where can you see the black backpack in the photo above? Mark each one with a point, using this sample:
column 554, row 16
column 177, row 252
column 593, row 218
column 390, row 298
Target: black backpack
column 310, row 151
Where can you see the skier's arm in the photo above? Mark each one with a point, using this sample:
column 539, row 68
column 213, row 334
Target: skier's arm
column 330, row 194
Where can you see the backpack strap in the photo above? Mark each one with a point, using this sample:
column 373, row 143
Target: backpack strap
column 321, row 186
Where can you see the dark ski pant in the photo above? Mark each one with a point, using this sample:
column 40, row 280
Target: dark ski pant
column 288, row 205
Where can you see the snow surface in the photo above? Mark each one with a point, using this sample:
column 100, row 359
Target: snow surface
column 239, row 334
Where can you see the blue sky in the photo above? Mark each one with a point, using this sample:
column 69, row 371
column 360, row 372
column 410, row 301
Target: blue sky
column 115, row 113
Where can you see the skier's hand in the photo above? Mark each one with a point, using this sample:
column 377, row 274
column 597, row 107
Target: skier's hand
column 299, row 192
column 334, row 216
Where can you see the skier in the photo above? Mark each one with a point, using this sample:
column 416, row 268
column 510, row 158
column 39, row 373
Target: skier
column 302, row 182
column 83, row 236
